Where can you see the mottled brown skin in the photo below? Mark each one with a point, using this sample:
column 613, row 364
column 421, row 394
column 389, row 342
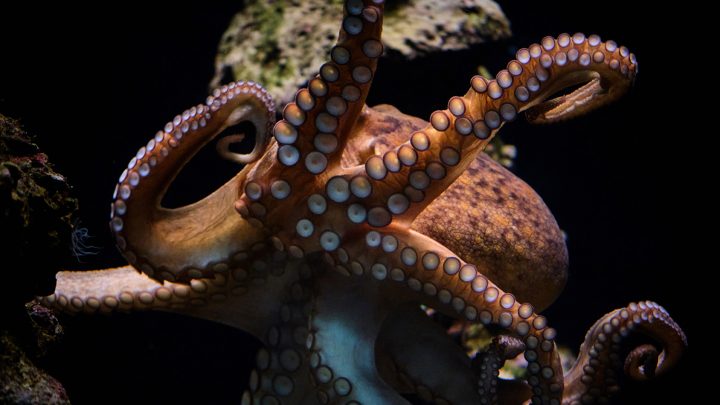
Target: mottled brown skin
column 505, row 228
column 488, row 216
column 513, row 235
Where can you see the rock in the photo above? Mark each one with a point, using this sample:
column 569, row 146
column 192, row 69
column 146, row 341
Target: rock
column 36, row 218
column 421, row 27
column 36, row 227
column 280, row 44
column 21, row 382
column 45, row 329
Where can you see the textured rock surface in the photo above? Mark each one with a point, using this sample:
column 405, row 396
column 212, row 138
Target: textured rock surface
column 21, row 382
column 281, row 43
column 415, row 28
column 36, row 214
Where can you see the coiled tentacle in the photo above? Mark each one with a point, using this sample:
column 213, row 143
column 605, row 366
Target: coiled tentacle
column 188, row 242
column 596, row 373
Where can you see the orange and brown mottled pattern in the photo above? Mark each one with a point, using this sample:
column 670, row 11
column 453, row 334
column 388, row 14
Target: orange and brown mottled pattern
column 491, row 218
column 488, row 216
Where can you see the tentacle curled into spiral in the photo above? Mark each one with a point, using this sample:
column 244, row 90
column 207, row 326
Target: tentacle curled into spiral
column 408, row 178
column 188, row 242
column 596, row 374
column 411, row 263
column 223, row 148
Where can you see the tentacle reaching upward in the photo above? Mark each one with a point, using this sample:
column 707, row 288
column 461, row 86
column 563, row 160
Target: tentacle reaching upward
column 314, row 128
column 596, row 373
column 182, row 243
column 408, row 178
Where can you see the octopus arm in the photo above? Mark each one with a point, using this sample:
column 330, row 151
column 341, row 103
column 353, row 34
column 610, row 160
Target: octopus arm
column 414, row 173
column 188, row 242
column 488, row 364
column 115, row 289
column 597, row 371
column 416, row 267
column 493, row 219
column 283, row 366
column 231, row 298
column 312, row 131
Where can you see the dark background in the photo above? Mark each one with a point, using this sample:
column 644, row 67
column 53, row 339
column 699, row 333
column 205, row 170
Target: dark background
column 95, row 83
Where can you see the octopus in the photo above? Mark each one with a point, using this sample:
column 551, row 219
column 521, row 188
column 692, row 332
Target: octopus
column 346, row 223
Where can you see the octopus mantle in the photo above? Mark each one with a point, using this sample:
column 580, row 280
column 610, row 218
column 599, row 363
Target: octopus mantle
column 345, row 219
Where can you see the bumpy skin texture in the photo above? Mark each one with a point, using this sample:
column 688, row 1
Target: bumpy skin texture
column 334, row 232
column 487, row 216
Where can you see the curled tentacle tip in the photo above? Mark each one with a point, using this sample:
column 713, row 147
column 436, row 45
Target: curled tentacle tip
column 642, row 362
column 223, row 149
column 564, row 107
column 252, row 103
column 592, row 73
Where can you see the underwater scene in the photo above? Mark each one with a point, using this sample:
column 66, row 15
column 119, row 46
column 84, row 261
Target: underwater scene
column 340, row 202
